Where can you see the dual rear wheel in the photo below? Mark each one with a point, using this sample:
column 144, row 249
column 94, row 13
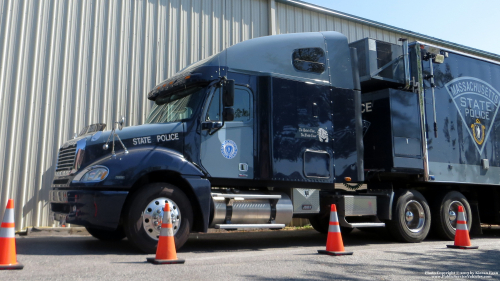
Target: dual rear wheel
column 412, row 216
column 445, row 214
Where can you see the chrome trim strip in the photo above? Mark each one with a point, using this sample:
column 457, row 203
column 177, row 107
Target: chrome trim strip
column 246, row 196
column 368, row 224
column 233, row 226
column 79, row 155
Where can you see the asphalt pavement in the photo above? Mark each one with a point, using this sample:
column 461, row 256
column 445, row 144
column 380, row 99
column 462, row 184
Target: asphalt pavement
column 266, row 255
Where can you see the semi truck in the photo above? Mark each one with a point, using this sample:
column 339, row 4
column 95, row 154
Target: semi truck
column 267, row 130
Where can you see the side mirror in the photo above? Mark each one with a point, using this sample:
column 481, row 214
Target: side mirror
column 228, row 97
column 228, row 114
column 211, row 125
column 121, row 122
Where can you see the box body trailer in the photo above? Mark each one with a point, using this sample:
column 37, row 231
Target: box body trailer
column 261, row 133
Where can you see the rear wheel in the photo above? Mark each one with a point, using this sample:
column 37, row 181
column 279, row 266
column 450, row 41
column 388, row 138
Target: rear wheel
column 411, row 217
column 144, row 214
column 107, row 235
column 445, row 214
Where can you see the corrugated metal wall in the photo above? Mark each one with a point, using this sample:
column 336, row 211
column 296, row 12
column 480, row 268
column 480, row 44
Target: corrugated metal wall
column 292, row 19
column 67, row 64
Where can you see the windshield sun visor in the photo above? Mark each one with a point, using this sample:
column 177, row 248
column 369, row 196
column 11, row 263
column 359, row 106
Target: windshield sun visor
column 176, row 83
column 185, row 79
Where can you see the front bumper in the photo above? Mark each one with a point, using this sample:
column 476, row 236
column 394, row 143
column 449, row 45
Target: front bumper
column 100, row 209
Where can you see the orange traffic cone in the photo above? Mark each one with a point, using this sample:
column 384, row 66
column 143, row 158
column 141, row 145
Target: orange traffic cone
column 334, row 244
column 165, row 252
column 8, row 258
column 462, row 240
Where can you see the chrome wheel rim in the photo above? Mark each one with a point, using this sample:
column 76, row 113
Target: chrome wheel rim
column 414, row 216
column 453, row 213
column 152, row 216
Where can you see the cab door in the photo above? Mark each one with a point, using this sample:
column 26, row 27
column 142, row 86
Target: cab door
column 228, row 152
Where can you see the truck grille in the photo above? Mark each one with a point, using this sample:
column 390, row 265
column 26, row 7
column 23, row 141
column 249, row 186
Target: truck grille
column 66, row 159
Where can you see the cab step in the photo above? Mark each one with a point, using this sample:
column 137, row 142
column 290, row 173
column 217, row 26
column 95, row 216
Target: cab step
column 222, row 196
column 368, row 224
column 246, row 226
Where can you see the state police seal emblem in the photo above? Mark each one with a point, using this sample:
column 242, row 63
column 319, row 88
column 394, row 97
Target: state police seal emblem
column 229, row 149
column 477, row 103
column 478, row 131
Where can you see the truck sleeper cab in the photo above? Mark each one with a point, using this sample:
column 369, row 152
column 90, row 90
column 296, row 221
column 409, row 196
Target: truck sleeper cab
column 223, row 155
column 261, row 133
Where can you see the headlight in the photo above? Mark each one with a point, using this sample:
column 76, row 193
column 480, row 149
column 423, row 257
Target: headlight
column 92, row 174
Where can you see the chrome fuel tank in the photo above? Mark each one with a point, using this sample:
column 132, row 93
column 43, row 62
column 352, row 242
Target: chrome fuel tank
column 251, row 208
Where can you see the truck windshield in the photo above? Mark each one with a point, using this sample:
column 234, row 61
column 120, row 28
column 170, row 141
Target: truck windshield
column 177, row 107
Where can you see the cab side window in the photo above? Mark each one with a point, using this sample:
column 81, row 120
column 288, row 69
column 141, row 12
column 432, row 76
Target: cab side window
column 242, row 106
column 242, row 102
column 309, row 59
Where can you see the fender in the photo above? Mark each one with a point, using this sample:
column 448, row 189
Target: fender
column 127, row 169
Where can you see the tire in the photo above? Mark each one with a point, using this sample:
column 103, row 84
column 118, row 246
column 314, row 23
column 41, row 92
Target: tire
column 445, row 214
column 405, row 226
column 321, row 222
column 107, row 235
column 146, row 208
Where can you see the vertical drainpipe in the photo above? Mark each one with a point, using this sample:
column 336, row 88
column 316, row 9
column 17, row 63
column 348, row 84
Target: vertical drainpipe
column 272, row 16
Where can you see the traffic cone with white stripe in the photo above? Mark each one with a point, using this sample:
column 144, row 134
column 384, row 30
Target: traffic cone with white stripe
column 462, row 240
column 165, row 252
column 8, row 258
column 334, row 243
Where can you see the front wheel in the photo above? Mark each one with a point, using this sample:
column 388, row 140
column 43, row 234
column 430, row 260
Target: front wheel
column 411, row 217
column 445, row 214
column 144, row 213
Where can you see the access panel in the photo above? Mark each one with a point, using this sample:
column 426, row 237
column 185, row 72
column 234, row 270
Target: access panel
column 393, row 138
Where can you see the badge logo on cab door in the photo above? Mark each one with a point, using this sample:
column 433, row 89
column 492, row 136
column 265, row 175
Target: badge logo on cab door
column 229, row 149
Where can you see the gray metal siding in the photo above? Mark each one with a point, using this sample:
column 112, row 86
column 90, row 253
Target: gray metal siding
column 292, row 19
column 67, row 64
